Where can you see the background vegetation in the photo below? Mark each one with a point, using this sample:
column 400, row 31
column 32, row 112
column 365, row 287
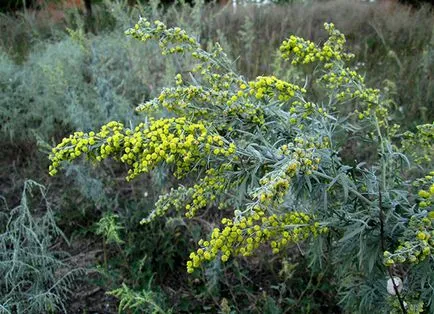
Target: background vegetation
column 57, row 76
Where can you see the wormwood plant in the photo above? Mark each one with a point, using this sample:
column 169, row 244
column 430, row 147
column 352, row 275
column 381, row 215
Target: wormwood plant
column 269, row 158
column 33, row 278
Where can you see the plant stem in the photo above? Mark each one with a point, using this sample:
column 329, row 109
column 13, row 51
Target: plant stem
column 380, row 204
column 383, row 153
column 104, row 247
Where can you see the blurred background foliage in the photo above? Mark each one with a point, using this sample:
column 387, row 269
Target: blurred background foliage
column 61, row 70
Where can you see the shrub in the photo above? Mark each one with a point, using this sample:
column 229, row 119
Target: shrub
column 53, row 91
column 271, row 160
column 74, row 82
column 34, row 277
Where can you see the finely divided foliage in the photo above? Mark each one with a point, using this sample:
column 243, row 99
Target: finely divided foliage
column 269, row 156
column 34, row 277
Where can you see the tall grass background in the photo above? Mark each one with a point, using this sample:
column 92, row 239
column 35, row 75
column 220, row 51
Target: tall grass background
column 55, row 77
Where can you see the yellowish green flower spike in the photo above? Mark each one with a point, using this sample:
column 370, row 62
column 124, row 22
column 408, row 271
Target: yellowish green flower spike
column 417, row 242
column 173, row 141
column 273, row 87
column 242, row 236
column 346, row 83
column 305, row 52
column 205, row 193
column 171, row 40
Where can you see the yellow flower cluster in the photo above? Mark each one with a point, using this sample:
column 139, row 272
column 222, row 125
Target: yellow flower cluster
column 89, row 144
column 420, row 145
column 175, row 40
column 427, row 197
column 338, row 79
column 174, row 141
column 304, row 51
column 206, row 191
column 426, row 191
column 273, row 88
column 373, row 106
column 300, row 112
column 275, row 184
column 244, row 235
column 225, row 85
column 184, row 100
column 305, row 152
column 171, row 40
column 420, row 243
column 418, row 238
column 177, row 99
column 347, row 83
column 350, row 86
column 173, row 200
column 219, row 93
